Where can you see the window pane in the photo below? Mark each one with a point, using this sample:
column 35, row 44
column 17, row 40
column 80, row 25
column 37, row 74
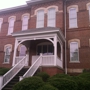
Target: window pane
column 51, row 17
column 40, row 18
column 50, row 49
column 44, row 49
column 74, row 51
column 39, row 50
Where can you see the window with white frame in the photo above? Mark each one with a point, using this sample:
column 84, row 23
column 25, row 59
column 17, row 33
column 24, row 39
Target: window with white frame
column 89, row 11
column 74, row 52
column 40, row 19
column 1, row 21
column 11, row 25
column 25, row 19
column 51, row 17
column 7, row 49
column 72, row 18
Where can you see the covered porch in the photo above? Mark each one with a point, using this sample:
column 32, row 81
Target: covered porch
column 43, row 44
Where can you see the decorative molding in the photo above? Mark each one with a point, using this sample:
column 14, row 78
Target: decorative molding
column 8, row 45
column 12, row 17
column 72, row 6
column 87, row 6
column 26, row 14
column 74, row 40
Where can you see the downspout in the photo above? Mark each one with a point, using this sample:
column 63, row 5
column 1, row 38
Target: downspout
column 65, row 37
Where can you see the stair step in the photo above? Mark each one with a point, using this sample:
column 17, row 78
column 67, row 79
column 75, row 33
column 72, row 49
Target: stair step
column 15, row 80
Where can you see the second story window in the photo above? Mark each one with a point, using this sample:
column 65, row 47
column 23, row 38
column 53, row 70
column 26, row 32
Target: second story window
column 25, row 19
column 72, row 18
column 40, row 19
column 11, row 25
column 51, row 17
column 1, row 21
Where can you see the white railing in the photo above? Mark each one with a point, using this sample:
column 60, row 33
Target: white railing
column 17, row 59
column 33, row 68
column 11, row 73
column 47, row 60
column 59, row 62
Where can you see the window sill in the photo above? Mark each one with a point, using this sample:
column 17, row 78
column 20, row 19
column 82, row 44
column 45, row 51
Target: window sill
column 72, row 27
column 74, row 61
column 6, row 63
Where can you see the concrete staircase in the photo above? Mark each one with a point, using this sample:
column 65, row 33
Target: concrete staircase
column 10, row 85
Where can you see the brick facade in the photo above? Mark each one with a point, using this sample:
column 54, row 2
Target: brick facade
column 82, row 32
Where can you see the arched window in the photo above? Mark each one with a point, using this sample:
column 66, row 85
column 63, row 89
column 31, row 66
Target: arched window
column 22, row 50
column 51, row 22
column 40, row 19
column 1, row 21
column 74, row 52
column 25, row 19
column 11, row 21
column 7, row 50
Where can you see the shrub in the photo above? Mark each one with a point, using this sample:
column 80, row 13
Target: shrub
column 47, row 87
column 43, row 75
column 31, row 83
column 61, row 76
column 3, row 70
column 63, row 84
column 82, row 83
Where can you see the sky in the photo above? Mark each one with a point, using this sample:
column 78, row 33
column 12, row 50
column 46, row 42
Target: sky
column 11, row 3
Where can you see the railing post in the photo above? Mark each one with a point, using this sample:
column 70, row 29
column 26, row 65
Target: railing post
column 20, row 78
column 1, row 81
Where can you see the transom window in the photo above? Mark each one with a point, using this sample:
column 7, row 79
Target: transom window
column 51, row 17
column 1, row 21
column 45, row 49
column 72, row 18
column 25, row 19
column 40, row 19
column 74, row 51
column 11, row 25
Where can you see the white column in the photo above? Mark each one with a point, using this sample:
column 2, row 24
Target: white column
column 15, row 50
column 55, row 50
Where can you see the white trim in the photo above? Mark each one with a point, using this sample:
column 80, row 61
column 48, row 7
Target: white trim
column 25, row 14
column 1, row 19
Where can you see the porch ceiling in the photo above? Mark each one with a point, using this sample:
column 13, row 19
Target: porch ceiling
column 40, row 31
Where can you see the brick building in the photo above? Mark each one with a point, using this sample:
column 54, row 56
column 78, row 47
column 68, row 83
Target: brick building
column 53, row 33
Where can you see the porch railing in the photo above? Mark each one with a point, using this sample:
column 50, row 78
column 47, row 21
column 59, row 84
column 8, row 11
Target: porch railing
column 33, row 68
column 59, row 62
column 12, row 72
column 47, row 60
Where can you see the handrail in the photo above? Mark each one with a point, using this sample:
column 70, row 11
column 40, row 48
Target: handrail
column 12, row 72
column 33, row 68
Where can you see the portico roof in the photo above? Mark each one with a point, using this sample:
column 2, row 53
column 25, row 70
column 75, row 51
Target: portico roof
column 38, row 31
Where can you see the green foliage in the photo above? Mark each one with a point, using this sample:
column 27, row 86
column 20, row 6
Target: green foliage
column 3, row 70
column 61, row 76
column 82, row 83
column 86, row 70
column 43, row 75
column 31, row 83
column 63, row 84
column 47, row 87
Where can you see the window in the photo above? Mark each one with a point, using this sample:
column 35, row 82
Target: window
column 40, row 19
column 74, row 52
column 25, row 19
column 7, row 49
column 1, row 21
column 11, row 25
column 51, row 17
column 72, row 17
column 45, row 49
column 22, row 51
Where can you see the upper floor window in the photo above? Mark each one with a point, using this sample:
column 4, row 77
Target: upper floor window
column 1, row 21
column 73, row 17
column 51, row 17
column 74, row 52
column 40, row 19
column 88, row 8
column 25, row 19
column 11, row 21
